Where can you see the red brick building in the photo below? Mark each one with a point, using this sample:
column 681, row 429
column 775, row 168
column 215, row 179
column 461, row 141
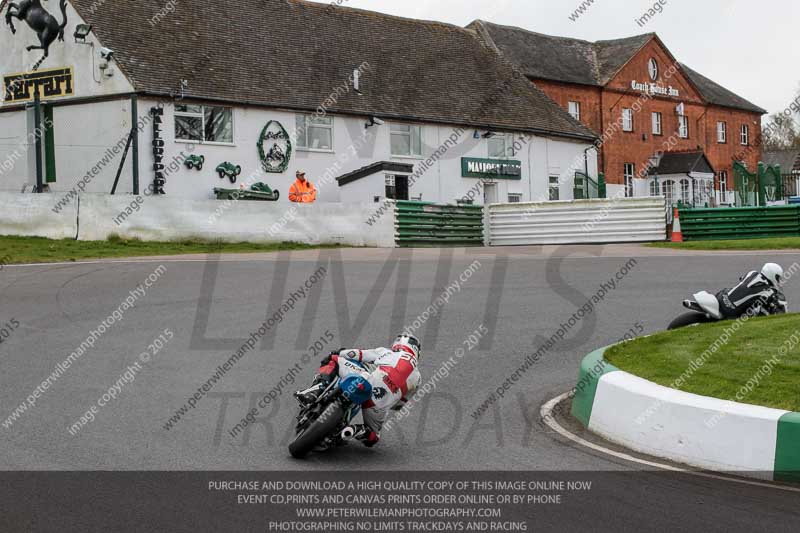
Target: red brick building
column 641, row 101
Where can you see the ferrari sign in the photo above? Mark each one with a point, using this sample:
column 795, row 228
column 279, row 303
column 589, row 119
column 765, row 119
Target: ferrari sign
column 52, row 83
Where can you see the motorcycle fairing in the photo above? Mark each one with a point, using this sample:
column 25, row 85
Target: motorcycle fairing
column 709, row 303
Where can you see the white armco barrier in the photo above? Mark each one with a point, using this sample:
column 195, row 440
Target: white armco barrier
column 165, row 218
column 577, row 221
column 36, row 215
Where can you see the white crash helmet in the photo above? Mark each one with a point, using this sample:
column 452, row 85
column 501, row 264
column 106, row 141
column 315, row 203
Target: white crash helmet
column 407, row 343
column 774, row 273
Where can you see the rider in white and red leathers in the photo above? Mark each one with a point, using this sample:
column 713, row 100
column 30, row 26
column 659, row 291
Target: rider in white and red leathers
column 394, row 377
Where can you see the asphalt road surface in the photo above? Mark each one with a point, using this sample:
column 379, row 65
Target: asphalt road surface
column 204, row 308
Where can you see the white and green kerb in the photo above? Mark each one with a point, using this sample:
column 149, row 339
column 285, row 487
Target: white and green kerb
column 695, row 430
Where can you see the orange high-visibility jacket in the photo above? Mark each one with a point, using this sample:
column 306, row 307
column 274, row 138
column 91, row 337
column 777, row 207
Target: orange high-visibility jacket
column 302, row 192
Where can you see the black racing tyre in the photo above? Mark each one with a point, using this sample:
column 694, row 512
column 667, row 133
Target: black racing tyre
column 221, row 174
column 689, row 319
column 318, row 430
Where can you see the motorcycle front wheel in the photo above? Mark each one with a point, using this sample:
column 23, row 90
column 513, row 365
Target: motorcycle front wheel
column 688, row 319
column 317, row 431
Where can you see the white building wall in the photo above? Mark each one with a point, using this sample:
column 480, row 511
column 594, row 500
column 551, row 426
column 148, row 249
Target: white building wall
column 85, row 132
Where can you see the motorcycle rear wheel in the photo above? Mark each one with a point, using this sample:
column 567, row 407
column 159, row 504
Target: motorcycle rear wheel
column 317, row 431
column 688, row 319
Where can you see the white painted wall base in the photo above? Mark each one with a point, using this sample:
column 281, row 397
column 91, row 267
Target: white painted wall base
column 172, row 219
column 32, row 215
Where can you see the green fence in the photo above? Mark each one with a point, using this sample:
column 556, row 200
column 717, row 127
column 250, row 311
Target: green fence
column 740, row 222
column 426, row 224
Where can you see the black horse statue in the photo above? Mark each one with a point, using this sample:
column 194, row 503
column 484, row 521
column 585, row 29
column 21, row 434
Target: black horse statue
column 41, row 21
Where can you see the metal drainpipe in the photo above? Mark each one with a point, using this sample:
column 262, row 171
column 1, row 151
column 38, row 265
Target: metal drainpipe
column 37, row 130
column 135, row 132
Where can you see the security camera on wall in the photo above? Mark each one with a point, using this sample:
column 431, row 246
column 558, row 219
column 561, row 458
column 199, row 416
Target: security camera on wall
column 106, row 54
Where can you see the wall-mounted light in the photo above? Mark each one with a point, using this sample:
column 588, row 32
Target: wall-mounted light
column 476, row 135
column 82, row 31
column 489, row 135
column 374, row 121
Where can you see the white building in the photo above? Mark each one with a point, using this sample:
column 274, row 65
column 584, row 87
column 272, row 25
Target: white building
column 393, row 106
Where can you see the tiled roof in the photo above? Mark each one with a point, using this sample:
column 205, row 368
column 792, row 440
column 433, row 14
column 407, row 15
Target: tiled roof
column 294, row 54
column 589, row 63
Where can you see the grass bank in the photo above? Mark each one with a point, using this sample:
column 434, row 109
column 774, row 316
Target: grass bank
column 777, row 243
column 17, row 250
column 759, row 344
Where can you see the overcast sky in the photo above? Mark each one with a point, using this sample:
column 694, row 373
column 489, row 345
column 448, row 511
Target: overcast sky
column 752, row 47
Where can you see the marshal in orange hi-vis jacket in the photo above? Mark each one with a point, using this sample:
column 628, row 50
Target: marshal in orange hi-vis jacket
column 302, row 191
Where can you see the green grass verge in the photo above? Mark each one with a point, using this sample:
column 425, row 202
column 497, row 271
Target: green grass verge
column 776, row 243
column 665, row 357
column 16, row 250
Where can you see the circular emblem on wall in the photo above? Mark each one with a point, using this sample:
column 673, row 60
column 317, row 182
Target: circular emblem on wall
column 652, row 67
column 274, row 147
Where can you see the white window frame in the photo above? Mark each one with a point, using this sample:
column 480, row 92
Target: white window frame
column 683, row 126
column 202, row 116
column 654, row 189
column 745, row 135
column 627, row 119
column 628, row 171
column 722, row 132
column 574, row 109
column 399, row 129
column 514, row 197
column 658, row 123
column 301, row 134
column 668, row 191
column 723, row 185
column 686, row 191
column 554, row 186
column 508, row 146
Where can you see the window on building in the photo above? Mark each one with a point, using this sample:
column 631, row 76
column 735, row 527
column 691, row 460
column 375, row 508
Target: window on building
column 745, row 135
column 723, row 185
column 628, row 171
column 654, row 188
column 667, row 191
column 683, row 126
column 314, row 132
column 575, row 110
column 500, row 146
column 627, row 119
column 656, row 123
column 203, row 123
column 722, row 132
column 554, row 188
column 406, row 140
column 514, row 198
column 685, row 191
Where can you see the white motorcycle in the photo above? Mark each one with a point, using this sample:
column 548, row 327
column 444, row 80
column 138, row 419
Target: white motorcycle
column 705, row 307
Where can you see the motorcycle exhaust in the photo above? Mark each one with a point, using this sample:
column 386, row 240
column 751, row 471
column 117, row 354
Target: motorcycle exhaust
column 348, row 432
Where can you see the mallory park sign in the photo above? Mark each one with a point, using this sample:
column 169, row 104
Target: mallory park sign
column 509, row 169
column 654, row 89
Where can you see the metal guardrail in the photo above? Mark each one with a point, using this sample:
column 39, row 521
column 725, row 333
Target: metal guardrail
column 422, row 224
column 577, row 221
column 740, row 222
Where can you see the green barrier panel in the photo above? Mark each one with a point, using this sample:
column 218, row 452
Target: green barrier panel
column 593, row 367
column 740, row 223
column 422, row 224
column 787, row 449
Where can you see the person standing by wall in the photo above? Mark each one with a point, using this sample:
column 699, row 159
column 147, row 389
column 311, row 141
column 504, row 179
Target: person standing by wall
column 302, row 191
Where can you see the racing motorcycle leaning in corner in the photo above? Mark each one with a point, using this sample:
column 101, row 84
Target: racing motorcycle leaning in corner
column 757, row 293
column 351, row 381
